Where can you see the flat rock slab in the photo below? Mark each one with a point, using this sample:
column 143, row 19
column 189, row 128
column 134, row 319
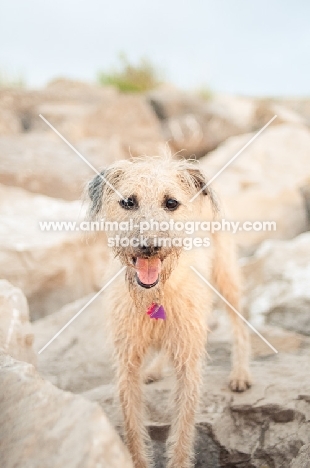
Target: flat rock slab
column 266, row 425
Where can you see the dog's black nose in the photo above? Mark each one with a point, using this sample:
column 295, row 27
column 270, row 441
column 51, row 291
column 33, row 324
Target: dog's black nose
column 149, row 250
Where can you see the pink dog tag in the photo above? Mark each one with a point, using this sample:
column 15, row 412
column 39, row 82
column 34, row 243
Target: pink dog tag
column 156, row 311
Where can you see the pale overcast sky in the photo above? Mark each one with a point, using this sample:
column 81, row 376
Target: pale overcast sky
column 241, row 46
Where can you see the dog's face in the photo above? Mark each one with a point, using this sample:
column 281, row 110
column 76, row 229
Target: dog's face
column 146, row 195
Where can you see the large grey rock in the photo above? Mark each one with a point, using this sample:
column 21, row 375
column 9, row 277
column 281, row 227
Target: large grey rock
column 16, row 335
column 299, row 105
column 52, row 268
column 193, row 125
column 266, row 109
column 80, row 111
column 19, row 107
column 41, row 425
column 303, row 458
column 265, row 426
column 268, row 424
column 86, row 111
column 130, row 119
column 10, row 113
column 9, row 123
column 79, row 359
column 43, row 163
column 277, row 284
column 305, row 190
column 263, row 183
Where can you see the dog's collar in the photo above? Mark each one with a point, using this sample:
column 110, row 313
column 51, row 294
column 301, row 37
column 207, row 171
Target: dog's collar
column 156, row 311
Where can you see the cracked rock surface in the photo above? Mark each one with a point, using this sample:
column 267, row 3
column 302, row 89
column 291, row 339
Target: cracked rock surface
column 266, row 426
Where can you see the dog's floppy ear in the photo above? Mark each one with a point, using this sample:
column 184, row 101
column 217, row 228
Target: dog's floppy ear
column 200, row 183
column 95, row 192
column 199, row 180
column 103, row 186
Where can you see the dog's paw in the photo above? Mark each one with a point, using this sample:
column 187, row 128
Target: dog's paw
column 240, row 380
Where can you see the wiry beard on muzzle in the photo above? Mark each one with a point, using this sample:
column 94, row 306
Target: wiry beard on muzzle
column 143, row 297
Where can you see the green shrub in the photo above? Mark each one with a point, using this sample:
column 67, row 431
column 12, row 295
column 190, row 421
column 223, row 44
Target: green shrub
column 130, row 78
column 205, row 93
column 11, row 80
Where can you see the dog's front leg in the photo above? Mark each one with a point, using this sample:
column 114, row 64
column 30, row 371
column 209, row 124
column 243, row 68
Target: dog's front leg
column 130, row 392
column 181, row 439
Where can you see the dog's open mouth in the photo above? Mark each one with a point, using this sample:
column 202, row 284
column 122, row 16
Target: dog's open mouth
column 147, row 271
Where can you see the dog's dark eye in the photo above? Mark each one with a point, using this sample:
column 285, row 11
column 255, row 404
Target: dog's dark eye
column 171, row 204
column 129, row 203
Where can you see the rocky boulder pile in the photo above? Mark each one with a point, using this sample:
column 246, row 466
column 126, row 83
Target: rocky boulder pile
column 58, row 404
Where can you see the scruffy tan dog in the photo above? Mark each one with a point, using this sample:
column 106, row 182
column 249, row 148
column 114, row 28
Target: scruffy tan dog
column 159, row 273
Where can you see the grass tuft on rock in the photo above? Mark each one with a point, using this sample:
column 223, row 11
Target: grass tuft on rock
column 131, row 78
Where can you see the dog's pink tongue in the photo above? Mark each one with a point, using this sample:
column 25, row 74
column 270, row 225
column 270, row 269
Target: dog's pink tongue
column 148, row 269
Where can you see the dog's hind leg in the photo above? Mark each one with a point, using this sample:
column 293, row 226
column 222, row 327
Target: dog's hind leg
column 226, row 277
